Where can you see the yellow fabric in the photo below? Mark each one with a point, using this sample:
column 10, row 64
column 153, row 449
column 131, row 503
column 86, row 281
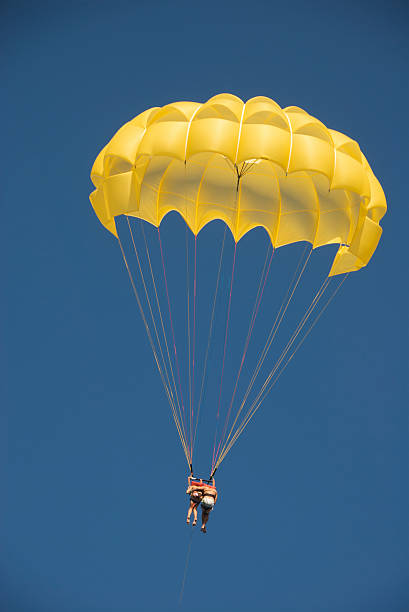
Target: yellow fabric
column 249, row 164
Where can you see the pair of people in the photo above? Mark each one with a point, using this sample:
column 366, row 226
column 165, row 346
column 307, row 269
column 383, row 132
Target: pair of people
column 204, row 494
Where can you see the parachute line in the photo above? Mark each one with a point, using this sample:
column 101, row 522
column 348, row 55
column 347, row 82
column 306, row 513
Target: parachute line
column 188, row 334
column 161, row 321
column 273, row 332
column 189, row 548
column 210, row 334
column 266, row 387
column 280, row 358
column 145, row 322
column 153, row 320
column 194, row 335
column 309, row 329
column 257, row 302
column 289, row 344
column 173, row 331
column 224, row 351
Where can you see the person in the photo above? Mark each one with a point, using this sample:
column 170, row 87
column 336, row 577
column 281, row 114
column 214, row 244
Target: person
column 196, row 495
column 208, row 501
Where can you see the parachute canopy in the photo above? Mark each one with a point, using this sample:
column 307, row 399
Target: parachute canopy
column 249, row 164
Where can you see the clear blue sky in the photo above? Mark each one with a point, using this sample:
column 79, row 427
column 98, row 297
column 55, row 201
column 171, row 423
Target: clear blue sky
column 313, row 511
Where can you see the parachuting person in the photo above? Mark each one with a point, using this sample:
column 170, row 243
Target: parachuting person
column 196, row 492
column 208, row 501
column 248, row 164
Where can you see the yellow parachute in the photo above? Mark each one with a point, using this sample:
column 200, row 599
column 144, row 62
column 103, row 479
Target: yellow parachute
column 249, row 164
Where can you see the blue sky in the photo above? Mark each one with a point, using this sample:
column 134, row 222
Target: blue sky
column 313, row 506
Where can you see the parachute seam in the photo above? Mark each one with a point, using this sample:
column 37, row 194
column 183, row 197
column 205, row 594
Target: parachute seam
column 238, row 208
column 138, row 154
column 335, row 165
column 188, row 128
column 291, row 141
column 350, row 232
column 238, row 138
column 199, row 189
column 159, row 190
column 317, row 202
column 279, row 207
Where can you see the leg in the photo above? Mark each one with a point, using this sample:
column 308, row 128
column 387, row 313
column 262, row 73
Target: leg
column 189, row 512
column 205, row 518
column 195, row 514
